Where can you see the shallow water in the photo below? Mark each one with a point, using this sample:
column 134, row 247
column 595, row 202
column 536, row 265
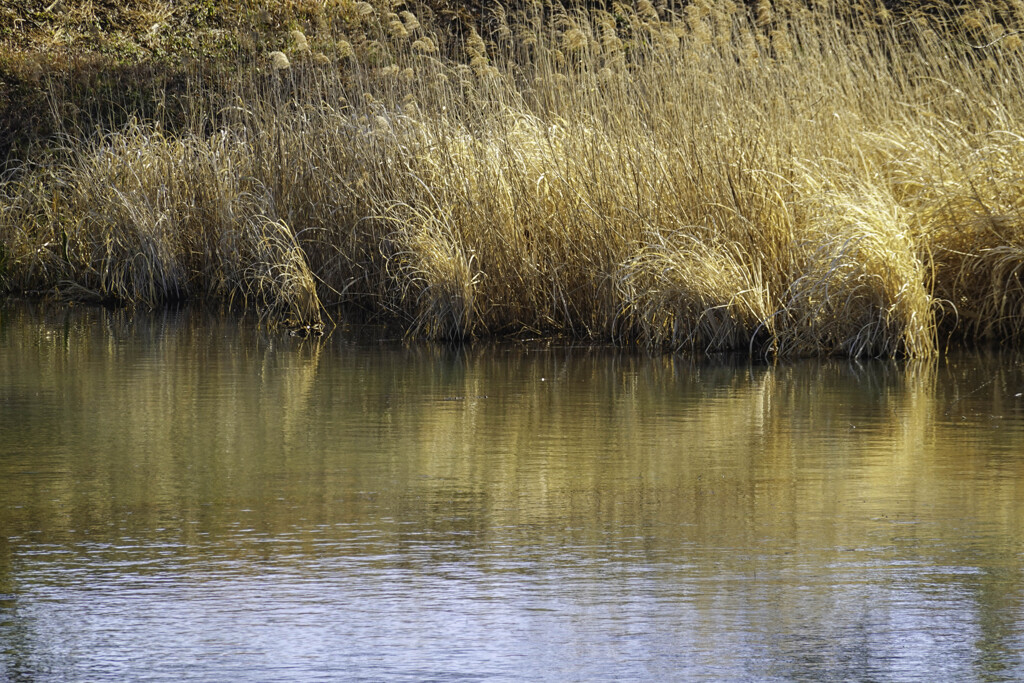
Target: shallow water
column 185, row 498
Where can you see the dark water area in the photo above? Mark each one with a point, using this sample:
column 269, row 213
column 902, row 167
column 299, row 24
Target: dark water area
column 185, row 497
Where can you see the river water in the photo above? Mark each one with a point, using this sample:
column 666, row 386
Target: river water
column 185, row 497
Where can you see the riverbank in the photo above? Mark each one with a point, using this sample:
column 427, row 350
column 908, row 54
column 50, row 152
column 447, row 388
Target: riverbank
column 773, row 179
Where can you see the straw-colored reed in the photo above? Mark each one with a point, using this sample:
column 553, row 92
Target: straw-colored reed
column 777, row 180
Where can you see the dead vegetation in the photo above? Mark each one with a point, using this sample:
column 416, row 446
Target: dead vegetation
column 777, row 179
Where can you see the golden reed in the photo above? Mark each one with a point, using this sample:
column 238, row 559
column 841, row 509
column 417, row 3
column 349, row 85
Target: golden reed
column 784, row 179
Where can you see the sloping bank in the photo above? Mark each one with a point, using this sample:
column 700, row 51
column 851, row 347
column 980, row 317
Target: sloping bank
column 773, row 179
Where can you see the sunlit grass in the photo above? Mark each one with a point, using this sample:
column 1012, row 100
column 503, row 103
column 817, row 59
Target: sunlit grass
column 778, row 180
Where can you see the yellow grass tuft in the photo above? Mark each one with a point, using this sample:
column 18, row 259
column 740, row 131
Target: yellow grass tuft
column 684, row 293
column 279, row 60
column 862, row 291
column 299, row 40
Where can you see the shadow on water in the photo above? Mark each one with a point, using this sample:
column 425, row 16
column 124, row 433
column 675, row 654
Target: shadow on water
column 184, row 496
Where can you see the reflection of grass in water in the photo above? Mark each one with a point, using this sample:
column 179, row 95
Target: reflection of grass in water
column 184, row 414
column 785, row 182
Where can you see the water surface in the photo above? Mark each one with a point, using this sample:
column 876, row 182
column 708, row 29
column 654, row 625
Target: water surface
column 183, row 497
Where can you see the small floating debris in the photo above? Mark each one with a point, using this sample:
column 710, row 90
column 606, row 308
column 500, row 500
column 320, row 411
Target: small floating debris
column 304, row 331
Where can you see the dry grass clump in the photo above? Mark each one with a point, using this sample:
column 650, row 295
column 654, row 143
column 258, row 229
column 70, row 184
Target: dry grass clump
column 435, row 275
column 772, row 179
column 689, row 294
column 975, row 226
column 862, row 291
column 146, row 219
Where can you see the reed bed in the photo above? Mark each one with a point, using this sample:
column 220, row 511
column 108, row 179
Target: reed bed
column 783, row 179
